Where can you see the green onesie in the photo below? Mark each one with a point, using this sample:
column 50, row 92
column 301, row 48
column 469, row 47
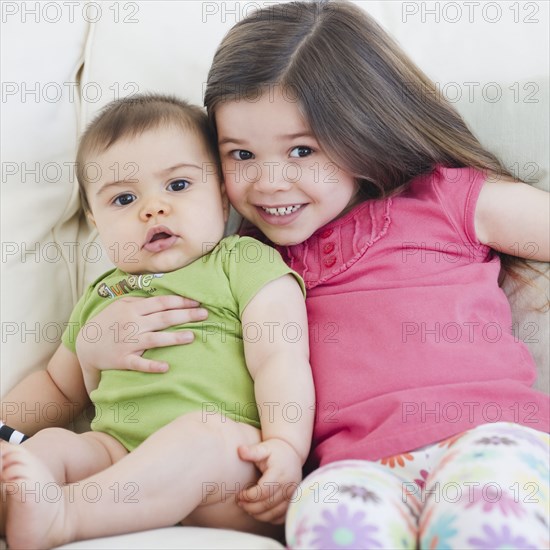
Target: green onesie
column 209, row 375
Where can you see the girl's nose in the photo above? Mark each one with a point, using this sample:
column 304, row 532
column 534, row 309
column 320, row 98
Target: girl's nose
column 271, row 177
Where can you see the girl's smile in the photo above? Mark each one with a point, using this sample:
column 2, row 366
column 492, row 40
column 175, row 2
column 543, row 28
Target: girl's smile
column 281, row 215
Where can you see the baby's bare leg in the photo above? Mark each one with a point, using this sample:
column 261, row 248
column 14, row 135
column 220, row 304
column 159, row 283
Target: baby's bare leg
column 71, row 457
column 27, row 485
column 160, row 483
column 55, row 456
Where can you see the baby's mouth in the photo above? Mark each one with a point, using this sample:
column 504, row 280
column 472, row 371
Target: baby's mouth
column 162, row 235
column 159, row 238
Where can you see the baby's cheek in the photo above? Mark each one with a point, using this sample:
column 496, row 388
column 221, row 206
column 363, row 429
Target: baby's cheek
column 119, row 252
column 234, row 189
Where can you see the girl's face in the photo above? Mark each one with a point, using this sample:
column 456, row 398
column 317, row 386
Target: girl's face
column 276, row 174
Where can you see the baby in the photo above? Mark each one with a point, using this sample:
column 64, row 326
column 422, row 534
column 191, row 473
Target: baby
column 150, row 181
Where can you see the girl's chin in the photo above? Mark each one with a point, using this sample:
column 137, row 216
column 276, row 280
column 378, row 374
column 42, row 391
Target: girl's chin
column 283, row 237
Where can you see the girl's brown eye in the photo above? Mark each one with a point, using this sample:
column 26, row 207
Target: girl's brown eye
column 301, row 151
column 241, row 154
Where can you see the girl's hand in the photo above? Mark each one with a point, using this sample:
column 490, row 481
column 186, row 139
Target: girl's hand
column 129, row 326
column 281, row 469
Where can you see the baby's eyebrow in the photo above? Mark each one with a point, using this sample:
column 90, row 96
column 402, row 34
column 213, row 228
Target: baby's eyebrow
column 178, row 166
column 160, row 173
column 109, row 184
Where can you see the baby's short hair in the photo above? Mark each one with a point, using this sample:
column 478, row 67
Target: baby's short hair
column 130, row 117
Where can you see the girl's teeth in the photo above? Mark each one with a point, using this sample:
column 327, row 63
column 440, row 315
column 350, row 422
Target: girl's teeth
column 283, row 211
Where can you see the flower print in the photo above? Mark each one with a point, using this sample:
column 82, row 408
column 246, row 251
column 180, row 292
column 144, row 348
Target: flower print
column 445, row 459
column 485, row 453
column 412, row 513
column 439, row 532
column 360, row 492
column 424, row 520
column 539, row 466
column 503, row 539
column 402, row 536
column 340, row 465
column 422, row 482
column 345, row 530
column 538, row 439
column 392, row 461
column 450, row 441
column 542, row 519
column 301, row 530
column 496, row 440
column 492, row 497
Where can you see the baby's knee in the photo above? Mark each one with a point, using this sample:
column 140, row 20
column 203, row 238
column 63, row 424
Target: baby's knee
column 50, row 436
column 207, row 431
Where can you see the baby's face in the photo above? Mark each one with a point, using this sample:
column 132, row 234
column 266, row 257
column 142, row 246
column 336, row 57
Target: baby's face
column 157, row 201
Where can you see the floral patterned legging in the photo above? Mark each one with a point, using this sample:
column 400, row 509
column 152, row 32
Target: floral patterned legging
column 485, row 488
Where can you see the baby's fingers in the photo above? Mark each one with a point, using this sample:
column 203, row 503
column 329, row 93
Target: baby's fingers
column 275, row 516
column 163, row 339
column 267, row 493
column 263, row 490
column 161, row 320
column 137, row 363
column 155, row 304
column 267, row 512
column 253, row 453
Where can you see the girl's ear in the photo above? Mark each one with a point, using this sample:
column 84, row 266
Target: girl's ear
column 225, row 203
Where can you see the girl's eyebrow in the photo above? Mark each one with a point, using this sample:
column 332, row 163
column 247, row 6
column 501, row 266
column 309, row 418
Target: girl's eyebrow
column 297, row 135
column 225, row 140
column 283, row 137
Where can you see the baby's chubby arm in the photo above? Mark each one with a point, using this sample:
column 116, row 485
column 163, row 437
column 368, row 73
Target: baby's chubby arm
column 47, row 398
column 514, row 218
column 278, row 361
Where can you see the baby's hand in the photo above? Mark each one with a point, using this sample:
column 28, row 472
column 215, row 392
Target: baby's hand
column 129, row 326
column 282, row 472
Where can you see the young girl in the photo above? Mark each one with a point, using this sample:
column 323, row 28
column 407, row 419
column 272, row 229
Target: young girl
column 335, row 147
column 428, row 432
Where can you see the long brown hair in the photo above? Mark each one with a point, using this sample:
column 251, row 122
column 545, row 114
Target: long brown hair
column 372, row 110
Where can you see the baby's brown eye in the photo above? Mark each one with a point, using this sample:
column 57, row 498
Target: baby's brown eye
column 178, row 185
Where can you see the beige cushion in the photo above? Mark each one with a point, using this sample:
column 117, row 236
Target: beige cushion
column 179, row 537
column 38, row 200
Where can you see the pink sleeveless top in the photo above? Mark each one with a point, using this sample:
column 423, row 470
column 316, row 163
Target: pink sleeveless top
column 411, row 337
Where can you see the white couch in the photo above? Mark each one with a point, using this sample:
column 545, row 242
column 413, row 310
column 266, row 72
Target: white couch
column 62, row 61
